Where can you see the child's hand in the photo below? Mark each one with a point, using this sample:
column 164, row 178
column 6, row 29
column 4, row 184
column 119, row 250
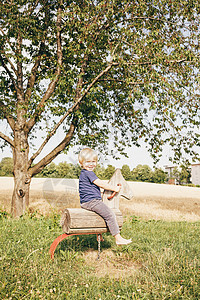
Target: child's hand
column 118, row 188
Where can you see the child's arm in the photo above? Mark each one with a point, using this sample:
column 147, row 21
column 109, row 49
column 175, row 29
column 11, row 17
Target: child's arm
column 107, row 186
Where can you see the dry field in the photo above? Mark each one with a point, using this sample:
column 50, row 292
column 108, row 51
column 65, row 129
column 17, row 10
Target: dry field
column 151, row 201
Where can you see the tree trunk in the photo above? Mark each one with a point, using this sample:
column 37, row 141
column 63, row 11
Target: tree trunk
column 22, row 179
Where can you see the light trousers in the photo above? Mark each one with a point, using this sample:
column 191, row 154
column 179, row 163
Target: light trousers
column 105, row 212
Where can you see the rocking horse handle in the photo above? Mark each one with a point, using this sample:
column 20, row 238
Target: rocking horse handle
column 114, row 193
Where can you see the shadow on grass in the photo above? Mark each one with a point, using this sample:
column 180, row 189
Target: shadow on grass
column 82, row 243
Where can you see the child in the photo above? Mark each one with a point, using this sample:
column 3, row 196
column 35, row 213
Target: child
column 90, row 194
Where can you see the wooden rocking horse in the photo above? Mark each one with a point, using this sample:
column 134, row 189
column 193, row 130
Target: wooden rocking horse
column 78, row 221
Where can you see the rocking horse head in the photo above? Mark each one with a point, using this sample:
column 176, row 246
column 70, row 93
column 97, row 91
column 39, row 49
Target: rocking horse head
column 112, row 199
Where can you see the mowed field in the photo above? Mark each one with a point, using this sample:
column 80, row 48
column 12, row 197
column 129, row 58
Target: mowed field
column 150, row 201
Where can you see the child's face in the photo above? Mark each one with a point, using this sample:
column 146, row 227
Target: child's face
column 89, row 164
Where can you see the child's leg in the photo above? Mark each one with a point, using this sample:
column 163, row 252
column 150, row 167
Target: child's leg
column 105, row 212
column 110, row 218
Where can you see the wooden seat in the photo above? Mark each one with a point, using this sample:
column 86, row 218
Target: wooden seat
column 78, row 220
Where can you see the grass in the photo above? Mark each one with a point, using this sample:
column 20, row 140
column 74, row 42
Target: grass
column 164, row 257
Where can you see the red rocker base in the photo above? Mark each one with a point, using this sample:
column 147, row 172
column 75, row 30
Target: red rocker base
column 63, row 236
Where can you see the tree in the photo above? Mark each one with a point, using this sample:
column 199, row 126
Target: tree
column 143, row 173
column 185, row 173
column 108, row 73
column 50, row 171
column 126, row 172
column 77, row 170
column 6, row 166
column 66, row 170
column 176, row 174
column 159, row 176
column 109, row 171
column 100, row 171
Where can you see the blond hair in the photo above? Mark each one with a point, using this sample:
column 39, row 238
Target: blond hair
column 85, row 154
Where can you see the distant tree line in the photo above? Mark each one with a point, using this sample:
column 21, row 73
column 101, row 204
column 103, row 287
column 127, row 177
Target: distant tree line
column 68, row 170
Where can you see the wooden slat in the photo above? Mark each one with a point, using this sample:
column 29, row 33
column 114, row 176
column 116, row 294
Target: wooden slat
column 88, row 230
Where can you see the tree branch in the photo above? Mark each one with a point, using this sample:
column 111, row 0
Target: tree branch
column 148, row 18
column 48, row 158
column 70, row 110
column 9, row 61
column 52, row 85
column 7, row 40
column 151, row 62
column 33, row 8
column 8, row 72
column 19, row 62
column 120, row 80
column 9, row 119
column 7, row 139
column 32, row 78
column 34, row 70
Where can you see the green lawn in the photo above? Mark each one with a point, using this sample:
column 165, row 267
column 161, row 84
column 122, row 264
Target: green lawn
column 166, row 255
